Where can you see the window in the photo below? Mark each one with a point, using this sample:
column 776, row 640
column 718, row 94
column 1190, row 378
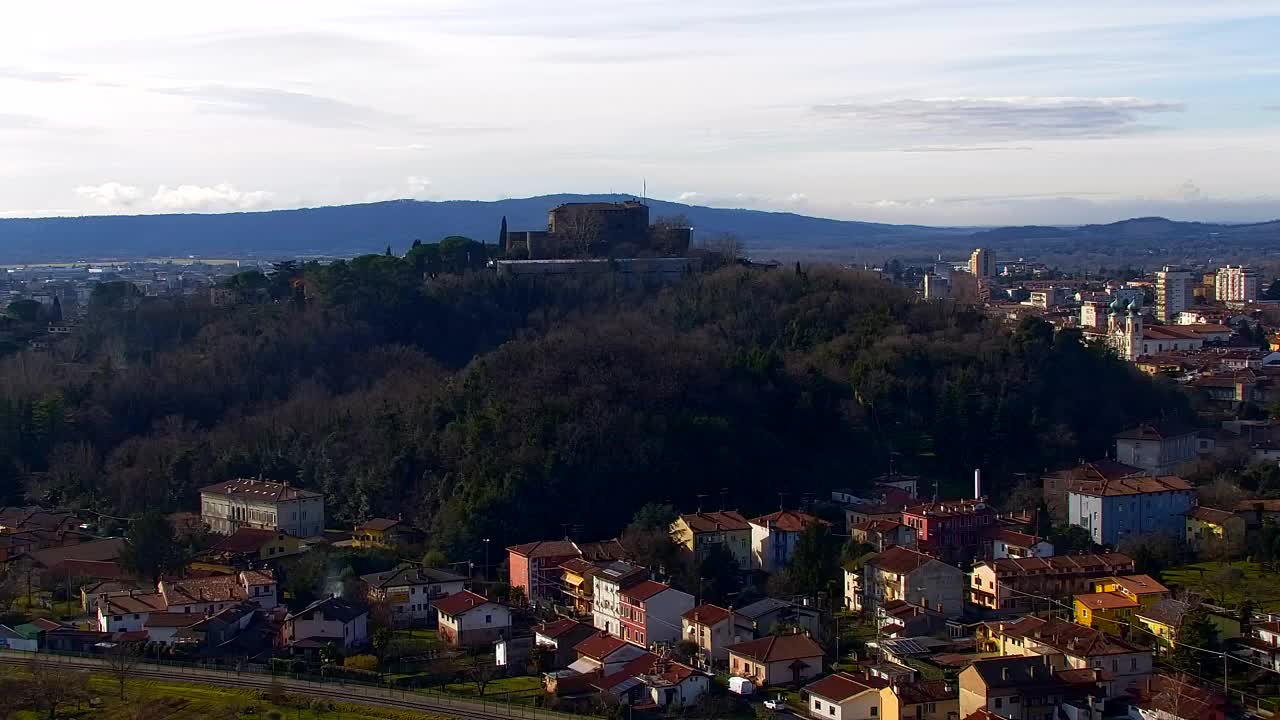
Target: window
column 488, row 619
column 118, row 618
column 1115, row 665
column 832, row 710
column 817, row 704
column 875, row 710
column 135, row 616
column 999, row 703
column 1014, row 700
column 1133, row 663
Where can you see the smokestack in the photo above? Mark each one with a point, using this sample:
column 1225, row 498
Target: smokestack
column 977, row 484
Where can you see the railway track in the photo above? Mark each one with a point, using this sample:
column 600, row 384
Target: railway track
column 374, row 697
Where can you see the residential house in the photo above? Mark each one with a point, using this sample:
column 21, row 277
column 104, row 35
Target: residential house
column 1111, row 613
column 654, row 681
column 1162, row 619
column 776, row 660
column 853, row 596
column 1016, row 583
column 870, row 511
column 227, row 506
column 712, row 629
column 607, row 584
column 559, row 638
column 329, row 620
column 883, row 534
column 248, row 546
column 844, row 696
column 921, row 700
column 386, row 533
column 471, row 620
column 1006, row 543
column 951, row 530
column 1207, row 525
column 535, row 568
column 774, row 537
column 1111, row 510
column 128, row 612
column 1069, row 646
column 649, row 612
column 603, row 654
column 765, row 615
column 212, row 594
column 58, row 564
column 407, row 592
column 914, row 577
column 1158, row 448
column 577, row 574
column 1015, row 688
column 1170, row 698
column 1262, row 646
column 1056, row 484
column 698, row 532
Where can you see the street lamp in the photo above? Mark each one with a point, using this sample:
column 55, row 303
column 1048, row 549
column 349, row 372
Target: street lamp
column 486, row 559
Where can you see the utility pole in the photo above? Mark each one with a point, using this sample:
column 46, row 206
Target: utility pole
column 486, row 560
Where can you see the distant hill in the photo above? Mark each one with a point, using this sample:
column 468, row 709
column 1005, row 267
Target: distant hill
column 354, row 229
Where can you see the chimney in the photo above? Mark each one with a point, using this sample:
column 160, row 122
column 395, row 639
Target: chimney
column 977, row 484
column 1004, row 673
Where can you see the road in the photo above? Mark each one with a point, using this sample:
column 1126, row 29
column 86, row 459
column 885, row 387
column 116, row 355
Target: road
column 364, row 695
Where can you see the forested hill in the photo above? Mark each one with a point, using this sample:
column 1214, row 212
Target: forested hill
column 480, row 408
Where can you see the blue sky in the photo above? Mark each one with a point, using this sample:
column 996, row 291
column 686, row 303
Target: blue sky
column 915, row 111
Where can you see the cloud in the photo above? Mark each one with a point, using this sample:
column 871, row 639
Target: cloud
column 195, row 198
column 415, row 187
column 112, row 194
column 1272, row 108
column 790, row 201
column 411, row 147
column 11, row 72
column 963, row 148
column 1006, row 118
column 19, row 121
column 292, row 107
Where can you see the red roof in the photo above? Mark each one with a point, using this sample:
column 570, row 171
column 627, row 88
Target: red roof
column 245, row 540
column 599, row 647
column 707, row 614
column 632, row 668
column 461, row 602
column 556, row 628
column 644, row 590
column 1131, row 485
column 1012, row 538
column 546, row 549
column 787, row 520
column 706, row 522
column 899, row 560
column 776, row 648
column 841, row 686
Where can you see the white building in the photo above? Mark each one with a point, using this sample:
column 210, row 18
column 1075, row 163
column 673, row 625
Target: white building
column 331, row 620
column 408, row 591
column 774, row 537
column 1173, row 293
column 234, row 504
column 1158, row 448
column 471, row 620
column 606, row 601
column 193, row 597
column 1237, row 284
column 650, row 612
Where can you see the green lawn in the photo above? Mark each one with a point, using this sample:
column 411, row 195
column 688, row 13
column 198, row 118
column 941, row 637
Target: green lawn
column 1257, row 584
column 497, row 686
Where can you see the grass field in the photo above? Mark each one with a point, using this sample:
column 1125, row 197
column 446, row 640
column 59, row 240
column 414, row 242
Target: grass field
column 497, row 686
column 156, row 700
column 1255, row 583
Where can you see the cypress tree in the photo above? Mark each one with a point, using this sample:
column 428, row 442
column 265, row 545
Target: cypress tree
column 502, row 236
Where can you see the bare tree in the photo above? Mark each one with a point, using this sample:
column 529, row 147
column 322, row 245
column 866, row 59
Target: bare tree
column 143, row 705
column 580, row 231
column 123, row 659
column 482, row 670
column 52, row 688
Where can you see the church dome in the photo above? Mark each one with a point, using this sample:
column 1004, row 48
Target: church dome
column 1116, row 305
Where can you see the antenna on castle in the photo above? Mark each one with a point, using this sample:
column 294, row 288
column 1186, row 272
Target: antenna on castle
column 700, row 497
column 644, row 191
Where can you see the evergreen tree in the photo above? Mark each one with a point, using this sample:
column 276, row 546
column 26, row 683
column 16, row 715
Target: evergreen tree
column 151, row 549
column 1196, row 634
column 815, row 561
column 502, row 236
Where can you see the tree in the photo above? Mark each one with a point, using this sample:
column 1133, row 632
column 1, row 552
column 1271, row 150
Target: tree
column 687, row 651
column 123, row 659
column 1151, row 553
column 330, row 654
column 1196, row 634
column 816, row 560
column 151, row 550
column 381, row 641
column 50, row 688
column 654, row 516
column 1273, row 291
column 481, row 670
column 716, row 577
column 1071, row 539
column 433, row 558
column 28, row 311
column 502, row 236
column 540, row 659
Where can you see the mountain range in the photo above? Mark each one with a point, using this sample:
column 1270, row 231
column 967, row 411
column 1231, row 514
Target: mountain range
column 354, row 229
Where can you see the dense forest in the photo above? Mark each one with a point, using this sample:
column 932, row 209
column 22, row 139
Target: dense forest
column 483, row 407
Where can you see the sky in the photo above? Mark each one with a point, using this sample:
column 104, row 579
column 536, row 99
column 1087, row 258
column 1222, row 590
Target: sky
column 943, row 112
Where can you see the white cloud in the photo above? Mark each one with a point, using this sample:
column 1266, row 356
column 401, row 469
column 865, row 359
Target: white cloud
column 112, row 194
column 195, row 198
column 415, row 187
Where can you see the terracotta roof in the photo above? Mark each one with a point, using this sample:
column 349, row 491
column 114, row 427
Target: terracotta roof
column 927, row 691
column 604, row 550
column 601, row 646
column 1068, row 637
column 409, row 575
column 841, row 686
column 245, row 540
column 787, row 520
column 1131, row 485
column 776, row 648
column 899, row 560
column 1141, row 584
column 1105, row 601
column 172, row 619
column 707, row 614
column 95, row 569
column 1178, row 698
column 578, row 566
column 880, row 526
column 1012, row 538
column 1102, row 562
column 1099, row 470
column 952, row 508
column 251, row 489
column 1210, row 515
column 630, row 669
column 461, row 602
column 644, row 590
column 557, row 628
column 1155, row 431
column 135, row 603
column 546, row 549
column 378, row 524
column 333, row 608
column 1165, row 612
column 108, row 549
column 1015, row 671
column 706, row 522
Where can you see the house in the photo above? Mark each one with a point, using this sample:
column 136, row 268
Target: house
column 329, row 620
column 883, row 534
column 559, row 638
column 604, row 654
column 607, row 584
column 1006, row 543
column 1206, row 525
column 1055, row 485
column 654, row 681
column 649, row 612
column 921, row 700
column 535, row 567
column 470, row 620
column 407, row 591
column 1016, row 688
column 914, row 577
column 128, row 612
column 774, row 537
column 1114, row 509
column 776, row 660
column 699, row 532
column 71, row 640
column 712, row 629
column 1110, row 606
column 1163, row 618
column 1014, row 583
column 252, row 546
column 952, row 530
column 213, row 594
column 227, row 506
column 1158, row 448
column 1170, row 698
column 843, row 696
column 386, row 533
column 578, row 574
column 763, row 616
column 61, row 563
column 1069, row 646
column 1262, row 646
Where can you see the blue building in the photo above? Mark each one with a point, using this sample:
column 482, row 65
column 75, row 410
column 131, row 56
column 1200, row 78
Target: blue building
column 1114, row 509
